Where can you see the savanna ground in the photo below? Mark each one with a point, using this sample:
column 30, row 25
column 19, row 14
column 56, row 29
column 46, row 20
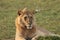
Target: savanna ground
column 48, row 17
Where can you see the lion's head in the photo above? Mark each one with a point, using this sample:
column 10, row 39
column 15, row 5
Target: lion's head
column 26, row 18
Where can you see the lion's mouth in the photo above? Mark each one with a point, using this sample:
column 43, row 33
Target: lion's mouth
column 29, row 27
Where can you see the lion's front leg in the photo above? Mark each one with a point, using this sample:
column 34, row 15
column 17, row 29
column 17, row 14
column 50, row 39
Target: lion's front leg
column 35, row 38
column 20, row 38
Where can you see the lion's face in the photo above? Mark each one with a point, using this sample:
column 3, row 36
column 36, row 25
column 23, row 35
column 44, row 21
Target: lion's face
column 26, row 18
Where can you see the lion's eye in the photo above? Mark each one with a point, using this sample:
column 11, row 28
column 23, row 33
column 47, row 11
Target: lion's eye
column 25, row 18
column 30, row 17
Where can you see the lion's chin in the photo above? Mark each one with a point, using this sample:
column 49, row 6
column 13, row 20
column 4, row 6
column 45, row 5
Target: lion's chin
column 29, row 27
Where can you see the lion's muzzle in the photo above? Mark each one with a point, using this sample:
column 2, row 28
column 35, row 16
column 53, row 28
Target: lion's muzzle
column 29, row 26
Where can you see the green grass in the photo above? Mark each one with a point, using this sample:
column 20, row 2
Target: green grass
column 49, row 38
column 48, row 17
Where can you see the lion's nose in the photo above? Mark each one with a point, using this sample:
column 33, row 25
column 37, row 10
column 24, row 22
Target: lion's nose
column 29, row 23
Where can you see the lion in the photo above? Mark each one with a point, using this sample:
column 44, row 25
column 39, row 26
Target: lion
column 26, row 28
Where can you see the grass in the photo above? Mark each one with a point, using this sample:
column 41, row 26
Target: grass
column 49, row 38
column 48, row 17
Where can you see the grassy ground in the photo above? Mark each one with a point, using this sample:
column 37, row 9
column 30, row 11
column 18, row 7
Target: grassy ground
column 49, row 38
column 48, row 17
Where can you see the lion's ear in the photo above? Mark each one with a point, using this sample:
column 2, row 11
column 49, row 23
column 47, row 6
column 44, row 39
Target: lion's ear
column 22, row 11
column 19, row 12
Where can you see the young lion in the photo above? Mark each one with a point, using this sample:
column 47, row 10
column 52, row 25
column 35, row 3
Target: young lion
column 26, row 29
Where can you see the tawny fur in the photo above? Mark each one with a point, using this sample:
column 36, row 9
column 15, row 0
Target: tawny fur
column 22, row 32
